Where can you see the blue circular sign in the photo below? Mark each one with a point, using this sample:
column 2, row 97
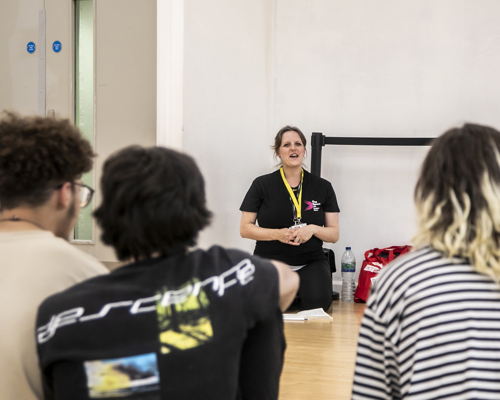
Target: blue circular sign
column 31, row 47
column 56, row 46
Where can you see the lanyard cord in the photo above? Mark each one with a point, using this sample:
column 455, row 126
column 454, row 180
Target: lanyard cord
column 292, row 195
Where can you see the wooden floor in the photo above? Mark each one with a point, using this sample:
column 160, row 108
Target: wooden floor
column 320, row 355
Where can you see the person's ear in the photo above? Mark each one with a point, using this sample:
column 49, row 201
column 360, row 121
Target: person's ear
column 65, row 195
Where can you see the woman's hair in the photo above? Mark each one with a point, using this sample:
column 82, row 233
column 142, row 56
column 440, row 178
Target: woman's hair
column 36, row 155
column 279, row 137
column 458, row 197
column 153, row 202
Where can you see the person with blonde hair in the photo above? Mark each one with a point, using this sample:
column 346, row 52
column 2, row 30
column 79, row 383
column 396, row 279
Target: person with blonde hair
column 431, row 325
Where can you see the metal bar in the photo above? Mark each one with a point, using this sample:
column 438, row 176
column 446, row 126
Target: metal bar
column 317, row 143
column 41, row 63
column 318, row 140
column 377, row 141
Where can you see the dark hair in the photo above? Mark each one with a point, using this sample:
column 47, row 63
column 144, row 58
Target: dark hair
column 458, row 196
column 36, row 155
column 153, row 202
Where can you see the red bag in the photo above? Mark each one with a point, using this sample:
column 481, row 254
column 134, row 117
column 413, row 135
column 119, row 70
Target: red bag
column 375, row 260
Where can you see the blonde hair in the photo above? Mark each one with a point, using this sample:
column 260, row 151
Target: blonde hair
column 458, row 197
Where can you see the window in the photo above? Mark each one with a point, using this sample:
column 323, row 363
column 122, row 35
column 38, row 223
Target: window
column 84, row 101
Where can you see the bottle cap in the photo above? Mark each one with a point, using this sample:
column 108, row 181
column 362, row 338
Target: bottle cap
column 348, row 248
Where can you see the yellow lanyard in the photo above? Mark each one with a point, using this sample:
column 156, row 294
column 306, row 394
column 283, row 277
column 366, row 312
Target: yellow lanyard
column 292, row 195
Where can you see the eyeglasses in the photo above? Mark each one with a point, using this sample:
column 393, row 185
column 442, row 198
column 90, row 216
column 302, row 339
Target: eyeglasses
column 86, row 193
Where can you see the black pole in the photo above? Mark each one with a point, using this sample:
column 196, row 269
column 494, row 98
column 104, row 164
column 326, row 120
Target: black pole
column 317, row 143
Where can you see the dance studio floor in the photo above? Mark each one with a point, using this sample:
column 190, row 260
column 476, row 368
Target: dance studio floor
column 320, row 355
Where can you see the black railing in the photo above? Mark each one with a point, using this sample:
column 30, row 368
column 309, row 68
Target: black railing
column 318, row 140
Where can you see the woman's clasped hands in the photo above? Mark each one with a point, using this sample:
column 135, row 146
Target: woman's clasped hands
column 296, row 236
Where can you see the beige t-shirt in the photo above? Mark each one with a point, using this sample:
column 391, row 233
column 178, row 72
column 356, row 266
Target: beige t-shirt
column 33, row 265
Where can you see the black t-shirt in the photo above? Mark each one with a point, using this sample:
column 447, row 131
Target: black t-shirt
column 269, row 198
column 202, row 325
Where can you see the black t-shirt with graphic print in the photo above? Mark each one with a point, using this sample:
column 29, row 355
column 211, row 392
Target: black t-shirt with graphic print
column 201, row 325
column 269, row 198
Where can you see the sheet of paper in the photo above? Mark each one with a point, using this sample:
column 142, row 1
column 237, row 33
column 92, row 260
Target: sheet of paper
column 294, row 317
column 316, row 313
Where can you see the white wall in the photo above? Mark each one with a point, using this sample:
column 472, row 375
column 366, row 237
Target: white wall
column 347, row 68
column 227, row 104
column 341, row 67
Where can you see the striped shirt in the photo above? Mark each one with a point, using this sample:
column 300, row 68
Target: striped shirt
column 431, row 330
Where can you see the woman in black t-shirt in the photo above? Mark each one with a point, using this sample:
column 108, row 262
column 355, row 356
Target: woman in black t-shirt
column 296, row 212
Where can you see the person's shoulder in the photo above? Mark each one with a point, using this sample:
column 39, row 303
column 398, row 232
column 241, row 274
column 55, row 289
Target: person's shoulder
column 245, row 266
column 58, row 257
column 72, row 258
column 316, row 180
column 272, row 176
column 416, row 259
column 236, row 258
column 405, row 270
column 89, row 280
column 78, row 288
column 217, row 251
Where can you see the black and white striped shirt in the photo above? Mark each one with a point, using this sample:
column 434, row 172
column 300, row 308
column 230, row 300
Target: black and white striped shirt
column 431, row 330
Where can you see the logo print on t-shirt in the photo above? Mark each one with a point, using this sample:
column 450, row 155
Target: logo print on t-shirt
column 241, row 274
column 184, row 324
column 123, row 377
column 312, row 205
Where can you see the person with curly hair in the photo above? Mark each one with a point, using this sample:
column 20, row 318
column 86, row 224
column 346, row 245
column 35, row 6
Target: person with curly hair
column 431, row 325
column 174, row 322
column 41, row 163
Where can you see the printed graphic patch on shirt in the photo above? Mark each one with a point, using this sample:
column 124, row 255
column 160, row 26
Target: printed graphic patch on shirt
column 312, row 205
column 183, row 318
column 134, row 377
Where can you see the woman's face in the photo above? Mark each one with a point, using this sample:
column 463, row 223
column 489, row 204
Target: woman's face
column 291, row 150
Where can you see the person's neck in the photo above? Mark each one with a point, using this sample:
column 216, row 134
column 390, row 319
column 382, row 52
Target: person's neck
column 23, row 219
column 293, row 175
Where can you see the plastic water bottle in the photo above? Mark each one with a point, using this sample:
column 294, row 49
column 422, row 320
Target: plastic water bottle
column 348, row 263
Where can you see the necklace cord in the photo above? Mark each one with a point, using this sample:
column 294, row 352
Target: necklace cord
column 15, row 218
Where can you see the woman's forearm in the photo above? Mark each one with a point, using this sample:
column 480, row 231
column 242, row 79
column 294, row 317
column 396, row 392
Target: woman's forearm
column 329, row 234
column 254, row 232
